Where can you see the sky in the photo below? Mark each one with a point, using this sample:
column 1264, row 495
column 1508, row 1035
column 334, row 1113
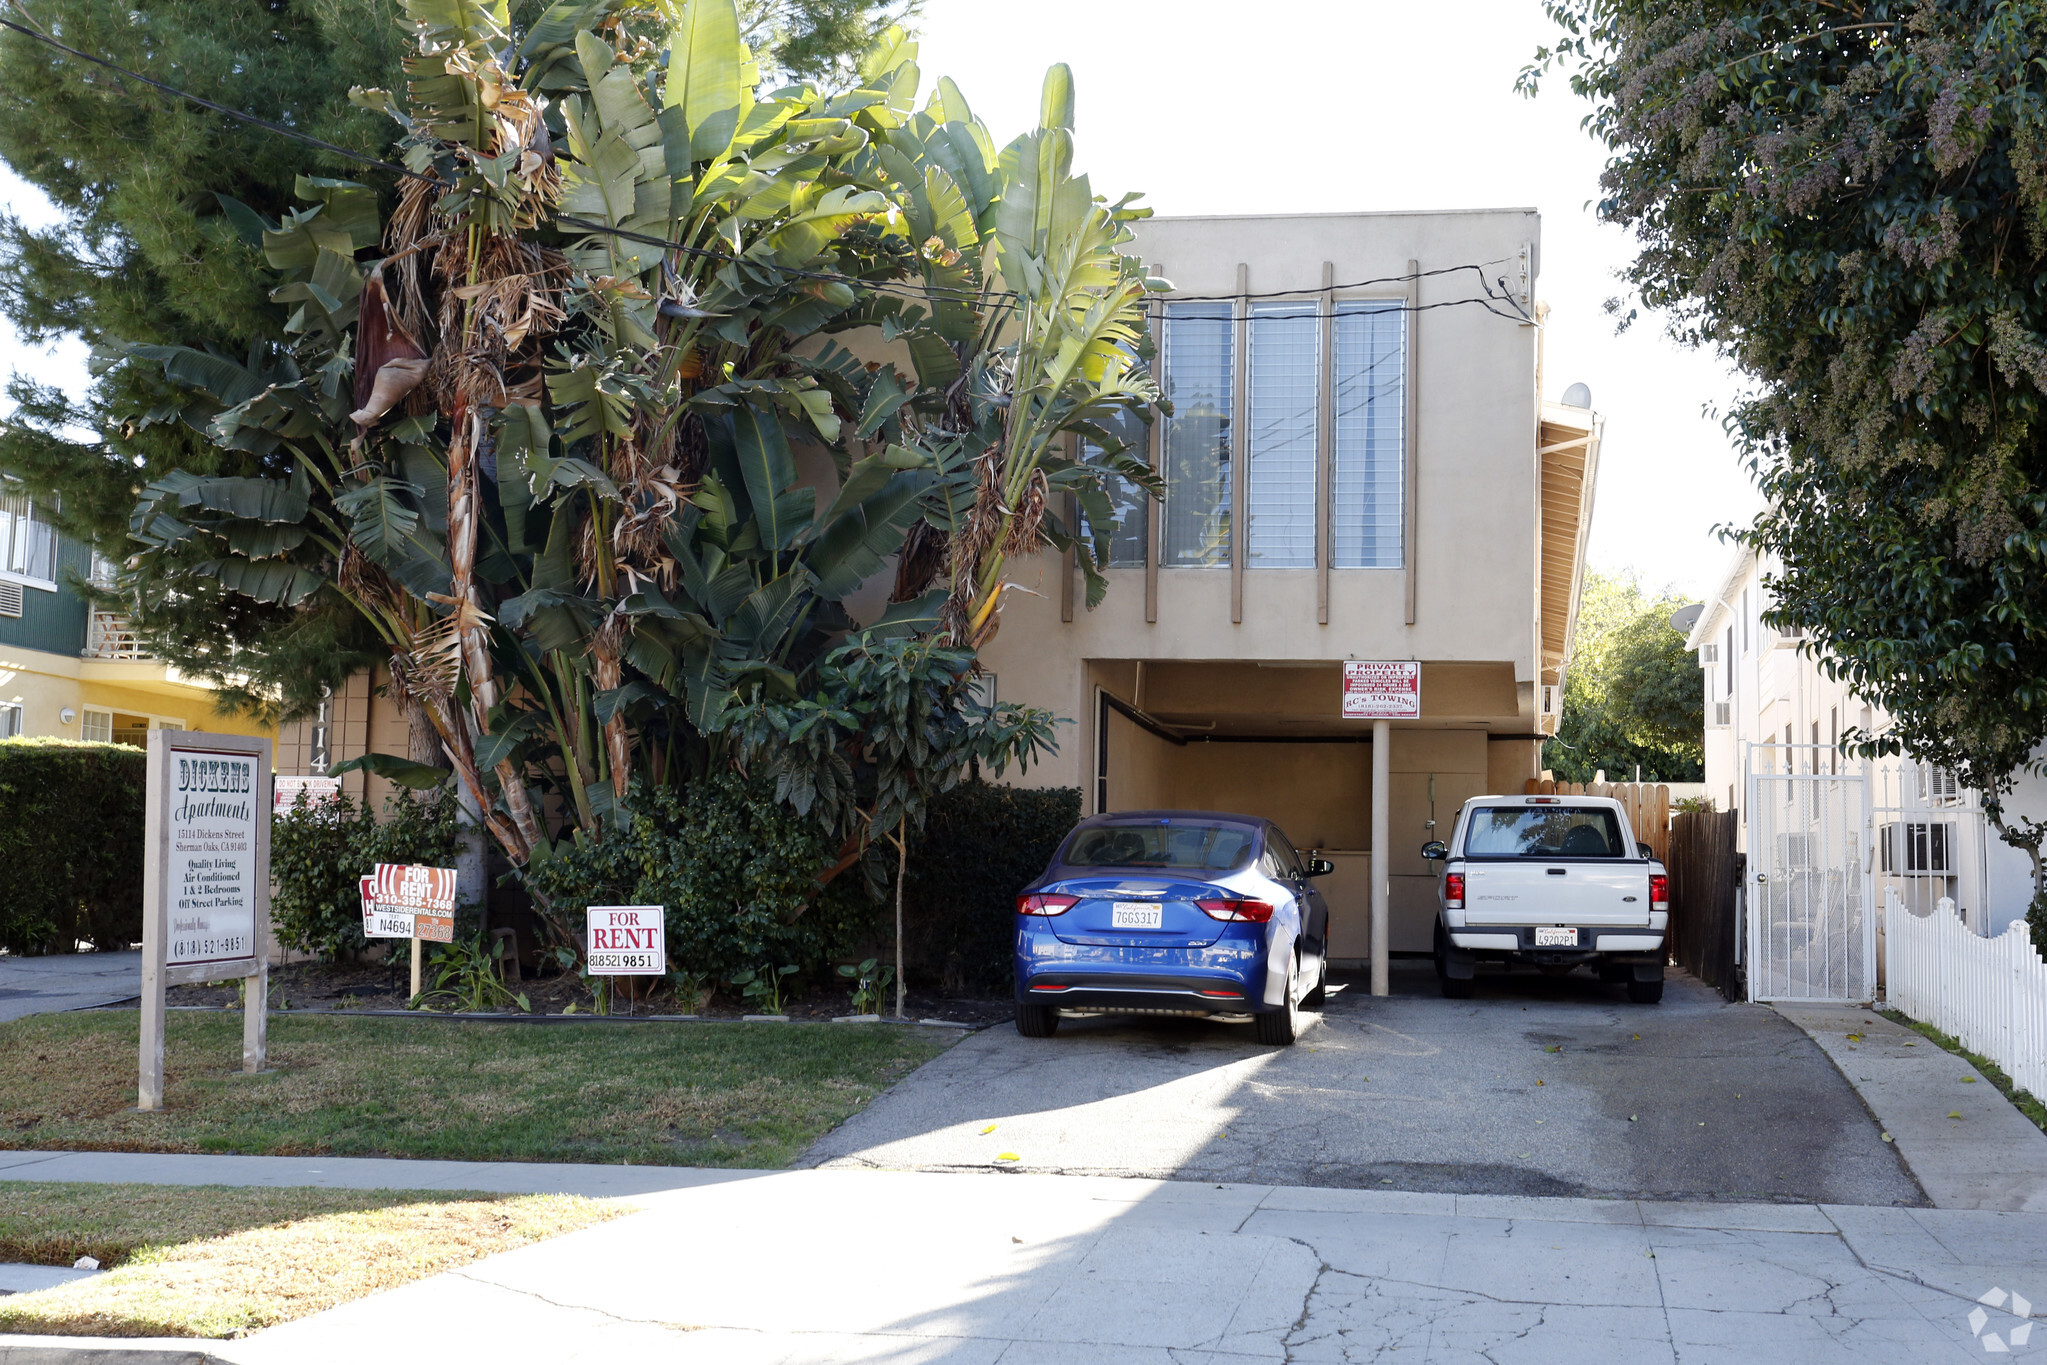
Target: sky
column 1309, row 106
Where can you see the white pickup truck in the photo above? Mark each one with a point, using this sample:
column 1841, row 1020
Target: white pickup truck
column 1554, row 881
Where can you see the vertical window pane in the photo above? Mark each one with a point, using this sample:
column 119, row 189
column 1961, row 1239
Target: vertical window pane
column 1371, row 406
column 1200, row 370
column 1127, row 502
column 1286, row 367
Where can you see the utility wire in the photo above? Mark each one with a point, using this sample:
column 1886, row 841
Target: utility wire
column 899, row 288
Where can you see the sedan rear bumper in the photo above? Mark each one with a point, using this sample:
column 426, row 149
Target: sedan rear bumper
column 1139, row 992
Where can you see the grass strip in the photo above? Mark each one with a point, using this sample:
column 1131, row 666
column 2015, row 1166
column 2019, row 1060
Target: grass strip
column 213, row 1261
column 734, row 1095
column 2022, row 1100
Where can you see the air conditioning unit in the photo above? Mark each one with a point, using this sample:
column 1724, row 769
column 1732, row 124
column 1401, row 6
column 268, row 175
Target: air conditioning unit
column 1918, row 848
column 10, row 599
column 1721, row 714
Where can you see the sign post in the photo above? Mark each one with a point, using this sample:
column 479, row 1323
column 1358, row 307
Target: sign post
column 625, row 940
column 1382, row 691
column 206, row 884
column 406, row 900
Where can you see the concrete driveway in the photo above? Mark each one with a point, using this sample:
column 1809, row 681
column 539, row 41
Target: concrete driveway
column 1538, row 1086
column 67, row 981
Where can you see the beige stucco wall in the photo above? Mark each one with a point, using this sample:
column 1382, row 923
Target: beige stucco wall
column 44, row 684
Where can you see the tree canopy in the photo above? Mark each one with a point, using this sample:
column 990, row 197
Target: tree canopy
column 1850, row 201
column 1633, row 694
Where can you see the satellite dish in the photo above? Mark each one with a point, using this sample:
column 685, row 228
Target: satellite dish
column 1578, row 396
column 1684, row 618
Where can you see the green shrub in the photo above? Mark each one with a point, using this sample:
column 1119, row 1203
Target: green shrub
column 319, row 853
column 980, row 845
column 71, row 817
column 735, row 869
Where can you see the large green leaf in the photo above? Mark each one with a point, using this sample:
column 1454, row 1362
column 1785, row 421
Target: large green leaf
column 854, row 545
column 403, row 771
column 768, row 469
column 706, row 77
column 381, row 521
column 276, row 500
column 266, row 580
column 920, row 617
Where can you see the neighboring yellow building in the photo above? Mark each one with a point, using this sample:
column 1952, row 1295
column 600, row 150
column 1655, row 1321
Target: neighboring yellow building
column 73, row 672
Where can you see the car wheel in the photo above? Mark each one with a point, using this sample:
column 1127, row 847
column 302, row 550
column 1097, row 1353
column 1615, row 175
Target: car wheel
column 1036, row 1021
column 1645, row 992
column 1279, row 1027
column 1316, row 998
column 1456, row 988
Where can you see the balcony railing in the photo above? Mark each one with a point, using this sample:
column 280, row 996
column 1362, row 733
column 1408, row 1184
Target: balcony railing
column 107, row 636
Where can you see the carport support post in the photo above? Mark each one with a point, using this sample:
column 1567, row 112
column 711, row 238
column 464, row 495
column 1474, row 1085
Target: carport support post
column 1382, row 854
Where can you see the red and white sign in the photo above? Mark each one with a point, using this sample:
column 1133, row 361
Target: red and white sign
column 425, row 893
column 383, row 921
column 1382, row 691
column 626, row 940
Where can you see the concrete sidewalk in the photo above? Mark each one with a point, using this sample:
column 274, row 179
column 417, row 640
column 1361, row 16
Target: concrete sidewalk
column 1963, row 1140
column 848, row 1266
column 66, row 981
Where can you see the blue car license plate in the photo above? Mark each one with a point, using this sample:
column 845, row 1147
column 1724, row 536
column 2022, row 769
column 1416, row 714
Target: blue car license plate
column 1136, row 915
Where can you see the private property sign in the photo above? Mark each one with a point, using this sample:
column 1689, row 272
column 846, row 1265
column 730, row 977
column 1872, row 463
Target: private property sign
column 1382, row 690
column 626, row 940
column 423, row 895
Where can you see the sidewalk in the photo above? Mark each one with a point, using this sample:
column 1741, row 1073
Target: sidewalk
column 729, row 1268
column 1966, row 1144
column 361, row 1173
column 66, row 981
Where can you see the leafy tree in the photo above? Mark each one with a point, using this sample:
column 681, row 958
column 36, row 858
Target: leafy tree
column 1850, row 201
column 155, row 249
column 1633, row 694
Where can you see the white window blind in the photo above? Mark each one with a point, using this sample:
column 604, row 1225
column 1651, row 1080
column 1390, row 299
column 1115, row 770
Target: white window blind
column 1199, row 374
column 1286, row 374
column 1371, row 411
column 28, row 543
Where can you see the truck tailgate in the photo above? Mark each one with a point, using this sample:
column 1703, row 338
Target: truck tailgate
column 1540, row 892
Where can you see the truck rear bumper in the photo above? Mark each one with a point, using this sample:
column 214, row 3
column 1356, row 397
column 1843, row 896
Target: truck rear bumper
column 1639, row 952
column 1599, row 940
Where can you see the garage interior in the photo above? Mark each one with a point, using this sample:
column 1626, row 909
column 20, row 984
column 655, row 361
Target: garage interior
column 1268, row 739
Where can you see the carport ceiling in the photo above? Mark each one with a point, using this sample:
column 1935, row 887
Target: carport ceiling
column 1233, row 697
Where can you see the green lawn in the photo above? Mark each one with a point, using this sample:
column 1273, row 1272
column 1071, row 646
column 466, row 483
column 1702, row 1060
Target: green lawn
column 655, row 1094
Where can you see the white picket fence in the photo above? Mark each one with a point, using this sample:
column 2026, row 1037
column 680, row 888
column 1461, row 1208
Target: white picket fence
column 1991, row 993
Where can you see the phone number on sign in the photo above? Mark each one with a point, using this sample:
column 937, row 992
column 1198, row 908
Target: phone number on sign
column 624, row 962
column 230, row 945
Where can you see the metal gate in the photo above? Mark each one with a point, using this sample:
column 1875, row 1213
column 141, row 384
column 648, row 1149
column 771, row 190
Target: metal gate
column 1811, row 923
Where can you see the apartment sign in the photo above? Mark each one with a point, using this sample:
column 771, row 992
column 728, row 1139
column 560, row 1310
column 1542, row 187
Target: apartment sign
column 1374, row 690
column 626, row 940
column 424, row 894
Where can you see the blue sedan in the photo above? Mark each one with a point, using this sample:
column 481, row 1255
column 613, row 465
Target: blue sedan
column 1173, row 912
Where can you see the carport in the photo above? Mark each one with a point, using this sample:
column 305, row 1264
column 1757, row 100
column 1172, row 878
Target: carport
column 1268, row 739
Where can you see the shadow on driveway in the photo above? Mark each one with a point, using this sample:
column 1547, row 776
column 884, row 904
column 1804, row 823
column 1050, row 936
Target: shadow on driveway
column 1538, row 1086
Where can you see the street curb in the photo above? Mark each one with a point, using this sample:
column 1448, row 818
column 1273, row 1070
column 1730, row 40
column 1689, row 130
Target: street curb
column 451, row 1016
column 38, row 1350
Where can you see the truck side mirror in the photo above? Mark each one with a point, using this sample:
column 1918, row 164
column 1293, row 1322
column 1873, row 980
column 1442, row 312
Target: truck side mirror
column 1435, row 850
column 1645, row 850
column 1320, row 867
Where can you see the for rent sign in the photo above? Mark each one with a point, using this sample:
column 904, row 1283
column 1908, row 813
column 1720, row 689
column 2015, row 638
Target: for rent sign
column 425, row 895
column 1374, row 690
column 627, row 940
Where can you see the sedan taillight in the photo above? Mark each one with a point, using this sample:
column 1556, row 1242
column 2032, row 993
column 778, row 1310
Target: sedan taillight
column 1045, row 903
column 1254, row 912
column 1453, row 890
column 1659, row 891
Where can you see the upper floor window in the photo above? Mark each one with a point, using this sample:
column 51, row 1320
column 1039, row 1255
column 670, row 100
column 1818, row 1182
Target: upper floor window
column 28, row 543
column 1371, row 420
column 1128, row 504
column 1200, row 372
column 1286, row 377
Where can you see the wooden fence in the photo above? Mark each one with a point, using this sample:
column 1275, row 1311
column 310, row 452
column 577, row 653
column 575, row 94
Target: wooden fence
column 1647, row 804
column 1990, row 993
column 1705, row 881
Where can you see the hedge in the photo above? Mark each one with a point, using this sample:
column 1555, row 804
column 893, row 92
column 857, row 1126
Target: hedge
column 319, row 854
column 980, row 845
column 71, row 817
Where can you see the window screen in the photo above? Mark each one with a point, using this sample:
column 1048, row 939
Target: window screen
column 1286, row 377
column 1371, row 408
column 1199, row 372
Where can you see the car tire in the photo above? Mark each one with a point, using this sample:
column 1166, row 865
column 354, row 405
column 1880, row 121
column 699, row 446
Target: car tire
column 1457, row 988
column 1645, row 992
column 1316, row 998
column 1279, row 1028
column 1036, row 1021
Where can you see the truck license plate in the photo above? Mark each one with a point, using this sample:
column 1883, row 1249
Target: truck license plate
column 1556, row 938
column 1136, row 915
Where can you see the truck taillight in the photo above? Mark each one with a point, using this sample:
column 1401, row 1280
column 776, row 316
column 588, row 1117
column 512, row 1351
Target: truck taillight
column 1255, row 912
column 1659, row 891
column 1453, row 890
column 1045, row 903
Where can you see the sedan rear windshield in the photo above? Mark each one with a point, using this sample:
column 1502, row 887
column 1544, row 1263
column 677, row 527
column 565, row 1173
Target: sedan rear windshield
column 1544, row 832
column 1190, row 845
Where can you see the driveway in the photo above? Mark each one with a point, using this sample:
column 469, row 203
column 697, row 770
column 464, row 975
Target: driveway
column 67, row 981
column 1538, row 1086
